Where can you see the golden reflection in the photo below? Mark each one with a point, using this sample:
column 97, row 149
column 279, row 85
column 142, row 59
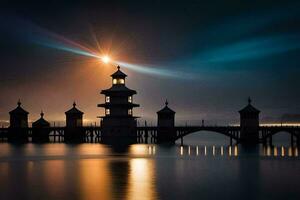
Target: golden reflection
column 236, row 150
column 55, row 149
column 139, row 149
column 30, row 149
column 222, row 151
column 290, row 151
column 282, row 151
column 181, row 150
column 296, row 152
column 205, row 150
column 6, row 149
column 30, row 171
column 214, row 150
column 189, row 150
column 197, row 150
column 95, row 179
column 141, row 184
column 151, row 150
column 229, row 150
column 275, row 151
column 54, row 176
column 92, row 149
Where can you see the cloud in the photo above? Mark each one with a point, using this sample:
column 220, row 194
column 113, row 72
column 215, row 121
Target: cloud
column 250, row 49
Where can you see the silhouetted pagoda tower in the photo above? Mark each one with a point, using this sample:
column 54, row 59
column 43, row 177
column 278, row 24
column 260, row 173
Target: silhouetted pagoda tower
column 118, row 124
column 165, row 124
column 18, row 117
column 40, row 133
column 249, row 123
column 18, row 121
column 74, row 117
column 74, row 131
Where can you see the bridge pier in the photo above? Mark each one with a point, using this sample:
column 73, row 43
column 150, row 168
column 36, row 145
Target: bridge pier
column 264, row 141
column 146, row 136
column 230, row 141
column 181, row 141
column 93, row 137
column 292, row 140
column 271, row 141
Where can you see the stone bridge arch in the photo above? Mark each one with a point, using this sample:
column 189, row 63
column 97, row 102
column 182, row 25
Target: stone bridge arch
column 268, row 133
column 232, row 132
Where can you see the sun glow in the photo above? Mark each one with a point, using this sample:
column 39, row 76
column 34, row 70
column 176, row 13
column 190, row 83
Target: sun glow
column 105, row 59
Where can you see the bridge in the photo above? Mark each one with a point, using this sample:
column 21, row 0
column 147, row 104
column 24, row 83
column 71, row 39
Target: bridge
column 265, row 133
column 152, row 134
column 57, row 134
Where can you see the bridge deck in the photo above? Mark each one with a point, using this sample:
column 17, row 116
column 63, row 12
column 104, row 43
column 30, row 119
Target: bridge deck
column 233, row 132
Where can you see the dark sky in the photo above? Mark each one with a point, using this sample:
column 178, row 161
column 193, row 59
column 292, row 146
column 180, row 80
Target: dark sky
column 206, row 57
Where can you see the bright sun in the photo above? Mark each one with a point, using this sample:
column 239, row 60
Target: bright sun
column 105, row 59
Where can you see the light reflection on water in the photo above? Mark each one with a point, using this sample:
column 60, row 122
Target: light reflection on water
column 141, row 171
column 267, row 151
column 141, row 179
column 56, row 151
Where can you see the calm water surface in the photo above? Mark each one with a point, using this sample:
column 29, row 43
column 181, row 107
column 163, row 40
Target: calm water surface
column 204, row 168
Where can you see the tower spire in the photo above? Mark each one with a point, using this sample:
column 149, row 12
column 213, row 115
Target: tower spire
column 249, row 100
column 42, row 114
column 166, row 103
column 74, row 104
column 19, row 103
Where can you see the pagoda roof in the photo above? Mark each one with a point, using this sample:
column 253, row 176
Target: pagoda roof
column 41, row 121
column 118, row 88
column 74, row 110
column 249, row 108
column 19, row 110
column 166, row 109
column 119, row 73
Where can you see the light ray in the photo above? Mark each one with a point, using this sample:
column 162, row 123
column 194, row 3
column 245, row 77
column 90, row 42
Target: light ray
column 144, row 69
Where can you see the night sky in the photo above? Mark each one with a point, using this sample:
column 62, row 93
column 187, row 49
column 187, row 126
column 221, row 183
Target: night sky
column 205, row 57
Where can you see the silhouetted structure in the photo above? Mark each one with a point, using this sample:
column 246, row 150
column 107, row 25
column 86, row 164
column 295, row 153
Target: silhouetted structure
column 74, row 131
column 118, row 124
column 249, row 124
column 18, row 123
column 18, row 117
column 40, row 131
column 166, row 124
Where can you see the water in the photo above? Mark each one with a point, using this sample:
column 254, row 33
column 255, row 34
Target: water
column 204, row 168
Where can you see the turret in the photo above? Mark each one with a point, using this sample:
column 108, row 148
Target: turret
column 74, row 131
column 41, row 122
column 74, row 117
column 166, row 116
column 40, row 131
column 18, row 124
column 18, row 117
column 249, row 123
column 165, row 124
